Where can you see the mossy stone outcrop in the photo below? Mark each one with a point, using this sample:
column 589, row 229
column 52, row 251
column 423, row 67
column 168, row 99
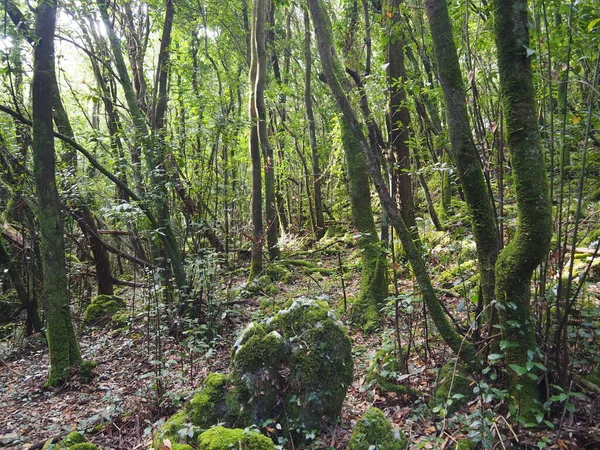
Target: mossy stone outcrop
column 102, row 308
column 221, row 438
column 374, row 431
column 170, row 430
column 454, row 388
column 293, row 368
column 209, row 406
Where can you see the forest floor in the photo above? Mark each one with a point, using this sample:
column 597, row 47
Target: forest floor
column 138, row 384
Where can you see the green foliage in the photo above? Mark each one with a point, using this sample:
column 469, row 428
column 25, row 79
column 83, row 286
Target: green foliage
column 84, row 446
column 374, row 431
column 221, row 438
column 102, row 308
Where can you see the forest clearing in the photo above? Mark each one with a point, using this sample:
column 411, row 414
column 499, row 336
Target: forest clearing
column 273, row 224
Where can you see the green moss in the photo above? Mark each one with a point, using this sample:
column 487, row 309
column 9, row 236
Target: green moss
column 86, row 371
column 181, row 447
column 374, row 432
column 170, row 430
column 277, row 272
column 454, row 388
column 102, row 308
column 465, row 444
column 220, row 438
column 208, row 407
column 294, row 368
column 84, row 446
column 73, row 438
column 260, row 286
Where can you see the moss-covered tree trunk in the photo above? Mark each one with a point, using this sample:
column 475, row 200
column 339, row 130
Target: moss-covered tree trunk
column 374, row 277
column 530, row 243
column 464, row 152
column 331, row 67
column 62, row 343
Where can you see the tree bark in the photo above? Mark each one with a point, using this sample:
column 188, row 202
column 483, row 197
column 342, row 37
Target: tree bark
column 465, row 154
column 312, row 135
column 531, row 241
column 62, row 343
column 254, row 145
column 399, row 117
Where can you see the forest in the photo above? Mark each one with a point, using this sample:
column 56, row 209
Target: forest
column 299, row 224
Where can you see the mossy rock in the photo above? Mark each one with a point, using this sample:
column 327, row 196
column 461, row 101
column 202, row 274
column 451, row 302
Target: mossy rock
column 221, row 438
column 454, row 388
column 75, row 437
column 294, row 368
column 170, row 430
column 102, row 308
column 374, row 431
column 260, row 286
column 277, row 272
column 84, row 446
column 86, row 371
column 209, row 406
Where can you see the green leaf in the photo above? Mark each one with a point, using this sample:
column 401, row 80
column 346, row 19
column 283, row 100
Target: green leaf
column 529, row 51
column 520, row 370
column 493, row 357
column 593, row 23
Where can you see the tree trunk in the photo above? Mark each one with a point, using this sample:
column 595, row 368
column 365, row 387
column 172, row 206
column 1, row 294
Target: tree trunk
column 62, row 343
column 312, row 135
column 267, row 151
column 464, row 152
column 399, row 117
column 254, row 144
column 531, row 241
column 374, row 278
column 86, row 223
column 331, row 66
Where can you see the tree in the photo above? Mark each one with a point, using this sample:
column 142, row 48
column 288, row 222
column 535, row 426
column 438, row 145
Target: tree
column 62, row 343
column 257, row 20
column 465, row 154
column 529, row 246
column 331, row 68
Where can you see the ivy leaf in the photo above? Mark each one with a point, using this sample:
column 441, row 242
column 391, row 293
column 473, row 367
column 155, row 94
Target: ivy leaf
column 529, row 51
column 520, row 370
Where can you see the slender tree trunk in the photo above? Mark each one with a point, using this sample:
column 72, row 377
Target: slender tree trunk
column 263, row 137
column 312, row 135
column 62, row 343
column 87, row 224
column 531, row 241
column 465, row 154
column 254, row 144
column 34, row 323
column 374, row 277
column 398, row 116
column 331, row 66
